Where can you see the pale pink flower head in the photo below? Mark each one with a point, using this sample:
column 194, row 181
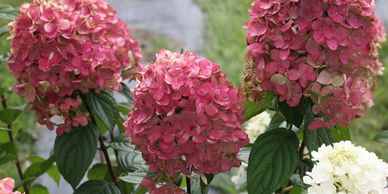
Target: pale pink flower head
column 186, row 116
column 59, row 47
column 294, row 45
column 7, row 185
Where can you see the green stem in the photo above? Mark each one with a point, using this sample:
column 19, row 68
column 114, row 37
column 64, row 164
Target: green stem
column 104, row 150
column 107, row 159
column 188, row 185
column 11, row 139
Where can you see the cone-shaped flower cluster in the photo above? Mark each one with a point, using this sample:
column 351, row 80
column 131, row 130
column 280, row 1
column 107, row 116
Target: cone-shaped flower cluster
column 346, row 168
column 323, row 49
column 186, row 116
column 59, row 47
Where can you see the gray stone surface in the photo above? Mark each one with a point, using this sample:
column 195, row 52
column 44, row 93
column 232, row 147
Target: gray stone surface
column 180, row 19
column 382, row 11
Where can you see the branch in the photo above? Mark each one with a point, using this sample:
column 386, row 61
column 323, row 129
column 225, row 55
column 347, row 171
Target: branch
column 11, row 139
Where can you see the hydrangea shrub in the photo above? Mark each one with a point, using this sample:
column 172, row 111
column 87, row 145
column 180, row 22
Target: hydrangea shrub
column 62, row 47
column 186, row 116
column 324, row 50
column 311, row 70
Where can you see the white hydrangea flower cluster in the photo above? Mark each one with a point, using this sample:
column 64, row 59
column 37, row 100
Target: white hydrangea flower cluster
column 343, row 168
column 257, row 125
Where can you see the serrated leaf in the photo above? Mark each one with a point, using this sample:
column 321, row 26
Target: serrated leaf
column 293, row 115
column 130, row 161
column 254, row 108
column 134, row 177
column 103, row 108
column 38, row 189
column 273, row 159
column 39, row 168
column 382, row 137
column 97, row 187
column 98, row 171
column 9, row 115
column 75, row 152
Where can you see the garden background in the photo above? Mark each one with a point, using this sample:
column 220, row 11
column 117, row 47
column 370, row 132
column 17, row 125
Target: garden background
column 214, row 29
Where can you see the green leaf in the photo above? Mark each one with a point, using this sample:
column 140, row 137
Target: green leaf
column 254, row 108
column 126, row 187
column 26, row 181
column 53, row 172
column 9, row 115
column 128, row 158
column 38, row 189
column 134, row 177
column 8, row 147
column 5, row 158
column 97, row 187
column 7, row 152
column 297, row 190
column 98, row 171
column 127, row 93
column 293, row 115
column 297, row 180
column 276, row 121
column 140, row 190
column 339, row 133
column 314, row 138
column 382, row 137
column 37, row 169
column 120, row 124
column 104, row 109
column 130, row 161
column 75, row 152
column 124, row 108
column 273, row 159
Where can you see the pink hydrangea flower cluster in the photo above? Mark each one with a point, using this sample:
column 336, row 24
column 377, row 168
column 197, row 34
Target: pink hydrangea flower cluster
column 323, row 49
column 167, row 188
column 7, row 185
column 186, row 116
column 59, row 47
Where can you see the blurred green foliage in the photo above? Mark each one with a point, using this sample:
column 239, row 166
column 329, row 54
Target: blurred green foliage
column 364, row 129
column 225, row 36
column 24, row 128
